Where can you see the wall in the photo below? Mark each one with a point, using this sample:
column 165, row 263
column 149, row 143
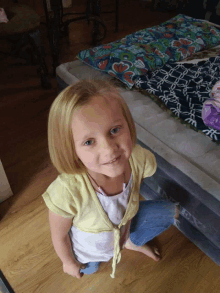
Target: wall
column 5, row 189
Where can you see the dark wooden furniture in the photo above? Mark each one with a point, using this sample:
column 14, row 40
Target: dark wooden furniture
column 57, row 26
column 22, row 32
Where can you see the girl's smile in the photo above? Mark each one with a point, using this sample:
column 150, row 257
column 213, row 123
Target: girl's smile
column 113, row 161
column 102, row 137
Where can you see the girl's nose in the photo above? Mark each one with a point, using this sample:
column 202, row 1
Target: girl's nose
column 107, row 147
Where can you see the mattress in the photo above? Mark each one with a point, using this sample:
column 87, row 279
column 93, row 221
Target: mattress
column 188, row 162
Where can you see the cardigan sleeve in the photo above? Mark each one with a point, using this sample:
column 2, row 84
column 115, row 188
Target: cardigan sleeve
column 146, row 161
column 150, row 164
column 59, row 200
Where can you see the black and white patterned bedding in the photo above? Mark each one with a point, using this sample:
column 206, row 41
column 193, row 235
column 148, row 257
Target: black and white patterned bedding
column 183, row 88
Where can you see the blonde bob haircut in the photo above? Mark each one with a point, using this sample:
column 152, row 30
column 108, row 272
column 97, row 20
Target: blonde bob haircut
column 60, row 136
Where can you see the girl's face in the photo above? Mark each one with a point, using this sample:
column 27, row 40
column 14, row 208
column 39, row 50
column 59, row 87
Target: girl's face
column 102, row 137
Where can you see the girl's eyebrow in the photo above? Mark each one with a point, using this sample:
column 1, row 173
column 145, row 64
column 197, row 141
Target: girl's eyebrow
column 117, row 120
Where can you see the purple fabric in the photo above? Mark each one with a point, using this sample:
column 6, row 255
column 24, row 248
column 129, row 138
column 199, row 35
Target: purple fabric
column 211, row 114
column 211, row 108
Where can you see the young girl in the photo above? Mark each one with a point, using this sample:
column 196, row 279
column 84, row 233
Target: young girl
column 94, row 208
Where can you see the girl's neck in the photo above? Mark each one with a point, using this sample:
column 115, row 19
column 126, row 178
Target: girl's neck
column 110, row 186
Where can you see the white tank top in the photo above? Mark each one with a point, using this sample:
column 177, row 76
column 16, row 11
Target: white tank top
column 91, row 247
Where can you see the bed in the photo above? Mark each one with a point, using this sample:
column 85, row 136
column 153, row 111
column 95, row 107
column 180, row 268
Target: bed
column 187, row 150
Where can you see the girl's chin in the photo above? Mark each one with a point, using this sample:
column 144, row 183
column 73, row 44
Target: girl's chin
column 109, row 173
column 114, row 172
column 114, row 175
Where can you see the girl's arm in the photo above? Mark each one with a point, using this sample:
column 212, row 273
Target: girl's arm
column 59, row 227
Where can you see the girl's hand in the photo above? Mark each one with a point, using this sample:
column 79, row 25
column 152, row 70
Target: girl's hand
column 73, row 269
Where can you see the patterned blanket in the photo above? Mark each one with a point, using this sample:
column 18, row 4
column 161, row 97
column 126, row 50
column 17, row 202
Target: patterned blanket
column 149, row 49
column 183, row 88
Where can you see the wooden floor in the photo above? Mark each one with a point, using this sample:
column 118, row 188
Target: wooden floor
column 27, row 258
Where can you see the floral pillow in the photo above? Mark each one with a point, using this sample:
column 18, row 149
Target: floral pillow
column 146, row 50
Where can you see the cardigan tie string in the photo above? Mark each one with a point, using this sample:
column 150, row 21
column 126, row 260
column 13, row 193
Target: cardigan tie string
column 117, row 253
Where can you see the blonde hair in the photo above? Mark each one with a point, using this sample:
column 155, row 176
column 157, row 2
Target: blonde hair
column 60, row 136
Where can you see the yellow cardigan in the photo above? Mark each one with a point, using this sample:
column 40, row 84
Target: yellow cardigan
column 73, row 196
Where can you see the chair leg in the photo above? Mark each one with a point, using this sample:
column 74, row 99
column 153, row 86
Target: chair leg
column 116, row 15
column 35, row 41
column 99, row 27
column 53, row 32
column 154, row 4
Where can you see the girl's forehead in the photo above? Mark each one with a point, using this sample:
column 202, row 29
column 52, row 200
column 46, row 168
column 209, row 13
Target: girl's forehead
column 107, row 99
column 99, row 111
column 102, row 105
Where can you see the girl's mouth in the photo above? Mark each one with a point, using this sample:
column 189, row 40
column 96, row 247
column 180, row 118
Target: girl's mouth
column 113, row 161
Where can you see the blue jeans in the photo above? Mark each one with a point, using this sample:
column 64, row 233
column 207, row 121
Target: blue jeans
column 152, row 218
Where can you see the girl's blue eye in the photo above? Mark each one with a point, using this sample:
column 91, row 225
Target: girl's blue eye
column 115, row 130
column 88, row 142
